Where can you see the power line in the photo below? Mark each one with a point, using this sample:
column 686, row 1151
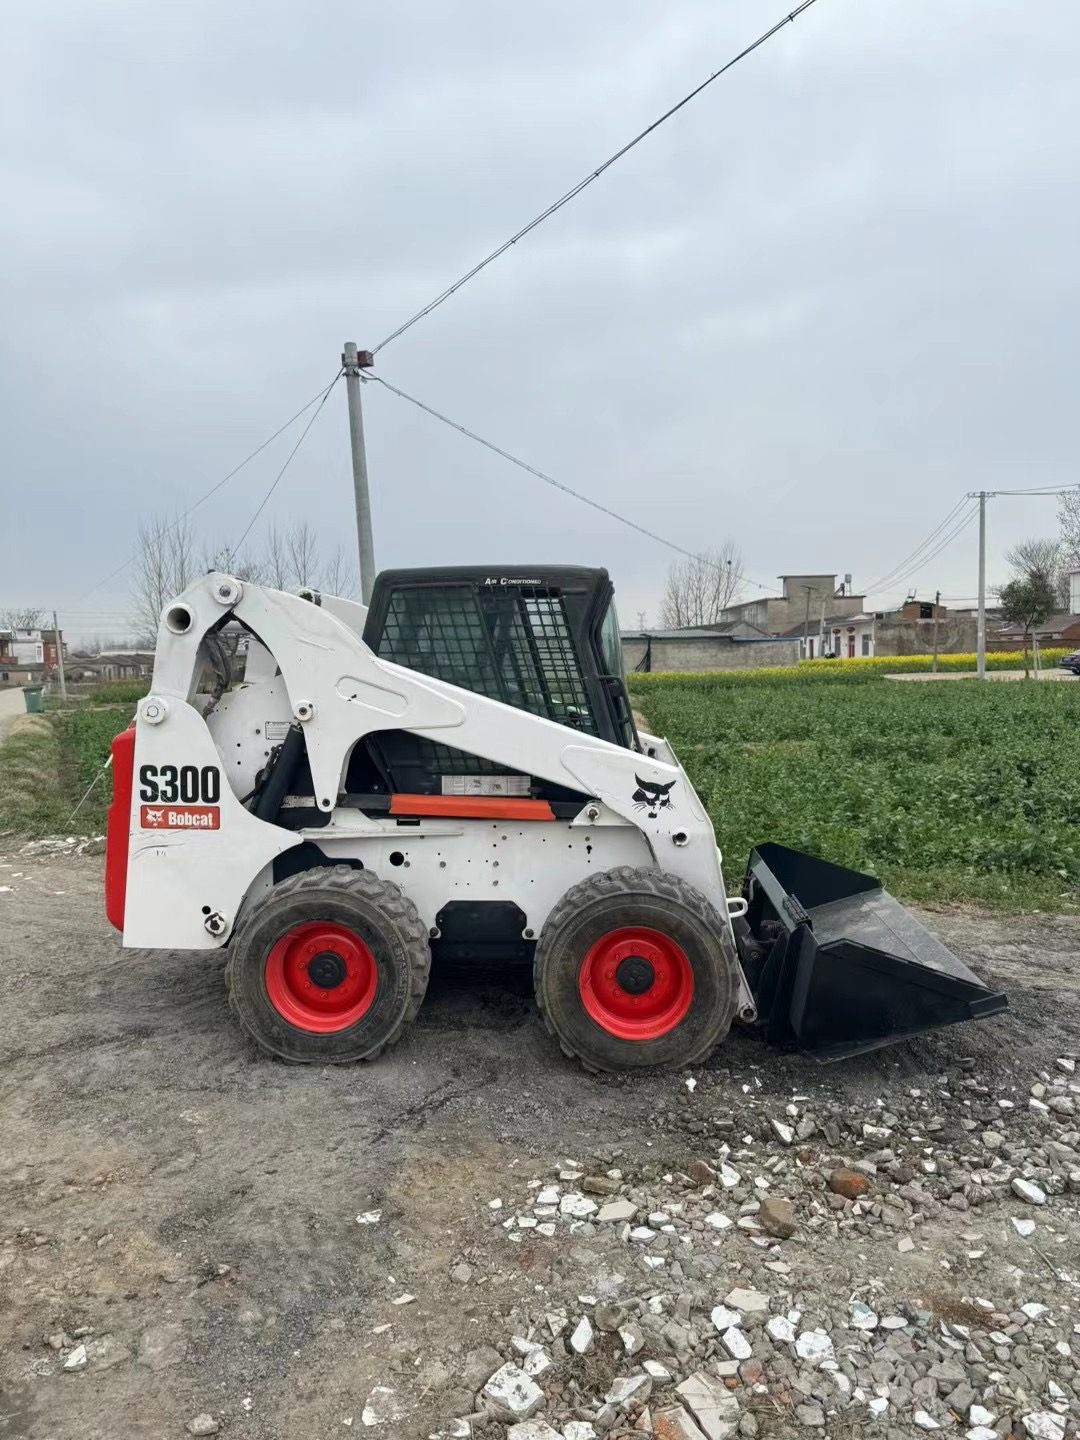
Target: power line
column 1034, row 490
column 588, row 179
column 558, row 484
column 289, row 459
column 943, row 544
column 214, row 488
column 891, row 575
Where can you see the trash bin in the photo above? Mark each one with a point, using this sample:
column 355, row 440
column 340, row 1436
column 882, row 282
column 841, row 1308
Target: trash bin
column 34, row 703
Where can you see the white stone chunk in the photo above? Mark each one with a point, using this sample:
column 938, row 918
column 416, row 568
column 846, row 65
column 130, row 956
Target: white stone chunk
column 814, row 1346
column 513, row 1394
column 1044, row 1425
column 714, row 1407
column 1031, row 1193
column 750, row 1302
column 736, row 1344
column 781, row 1330
column 582, row 1337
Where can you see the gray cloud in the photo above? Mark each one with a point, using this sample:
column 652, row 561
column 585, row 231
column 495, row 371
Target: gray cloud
column 830, row 296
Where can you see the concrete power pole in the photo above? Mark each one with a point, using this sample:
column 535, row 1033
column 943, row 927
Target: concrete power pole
column 980, row 633
column 806, row 624
column 352, row 362
column 59, row 658
column 937, row 606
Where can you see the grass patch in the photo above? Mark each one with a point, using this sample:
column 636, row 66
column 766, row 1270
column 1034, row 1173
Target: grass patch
column 950, row 793
column 31, row 797
column 46, row 764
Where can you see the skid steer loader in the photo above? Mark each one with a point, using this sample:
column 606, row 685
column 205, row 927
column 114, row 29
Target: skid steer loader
column 332, row 795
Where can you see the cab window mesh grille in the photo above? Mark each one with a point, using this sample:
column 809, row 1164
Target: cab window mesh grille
column 513, row 645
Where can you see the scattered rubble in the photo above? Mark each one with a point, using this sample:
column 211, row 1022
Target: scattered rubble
column 874, row 1273
column 695, row 1305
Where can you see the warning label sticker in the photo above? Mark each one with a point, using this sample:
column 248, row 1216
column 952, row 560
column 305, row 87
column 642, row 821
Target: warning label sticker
column 180, row 817
column 485, row 784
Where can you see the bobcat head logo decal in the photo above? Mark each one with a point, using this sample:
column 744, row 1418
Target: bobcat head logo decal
column 651, row 797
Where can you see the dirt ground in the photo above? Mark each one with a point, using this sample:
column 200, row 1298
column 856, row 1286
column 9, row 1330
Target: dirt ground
column 146, row 1147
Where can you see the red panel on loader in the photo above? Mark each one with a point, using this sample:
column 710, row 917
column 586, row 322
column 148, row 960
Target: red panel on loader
column 472, row 807
column 118, row 827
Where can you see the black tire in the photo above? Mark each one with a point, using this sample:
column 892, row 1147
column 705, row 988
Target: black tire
column 379, row 914
column 649, row 899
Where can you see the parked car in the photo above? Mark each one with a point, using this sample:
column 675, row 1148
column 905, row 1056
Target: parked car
column 1071, row 662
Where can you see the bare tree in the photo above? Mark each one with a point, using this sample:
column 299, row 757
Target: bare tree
column 167, row 563
column 302, row 548
column 1046, row 558
column 164, row 566
column 25, row 617
column 338, row 575
column 278, row 572
column 1030, row 596
column 244, row 564
column 700, row 589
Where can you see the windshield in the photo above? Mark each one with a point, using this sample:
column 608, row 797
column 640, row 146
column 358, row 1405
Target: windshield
column 611, row 643
column 611, row 658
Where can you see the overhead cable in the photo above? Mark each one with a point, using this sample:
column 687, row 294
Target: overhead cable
column 558, row 484
column 582, row 184
column 892, row 574
column 215, row 488
column 288, row 461
column 943, row 544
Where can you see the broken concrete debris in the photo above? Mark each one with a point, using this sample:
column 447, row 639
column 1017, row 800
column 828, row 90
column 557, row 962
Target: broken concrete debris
column 757, row 1289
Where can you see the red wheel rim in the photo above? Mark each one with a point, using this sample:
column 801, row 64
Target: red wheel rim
column 321, row 977
column 636, row 984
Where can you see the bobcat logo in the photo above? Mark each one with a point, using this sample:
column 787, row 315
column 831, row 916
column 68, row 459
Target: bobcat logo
column 652, row 797
column 154, row 817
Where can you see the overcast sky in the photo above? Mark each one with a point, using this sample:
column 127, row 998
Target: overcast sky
column 835, row 292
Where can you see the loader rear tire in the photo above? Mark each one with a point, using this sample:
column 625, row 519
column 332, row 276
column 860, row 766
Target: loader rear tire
column 634, row 968
column 328, row 967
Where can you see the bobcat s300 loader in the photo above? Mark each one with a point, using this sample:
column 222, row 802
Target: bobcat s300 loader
column 331, row 795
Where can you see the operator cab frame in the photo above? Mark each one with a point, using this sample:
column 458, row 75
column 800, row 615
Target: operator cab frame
column 540, row 638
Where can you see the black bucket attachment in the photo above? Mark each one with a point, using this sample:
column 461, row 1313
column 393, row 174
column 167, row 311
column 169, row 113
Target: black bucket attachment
column 837, row 966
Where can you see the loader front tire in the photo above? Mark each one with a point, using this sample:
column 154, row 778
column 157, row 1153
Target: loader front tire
column 634, row 968
column 328, row 967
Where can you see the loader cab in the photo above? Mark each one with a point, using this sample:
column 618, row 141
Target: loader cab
column 544, row 639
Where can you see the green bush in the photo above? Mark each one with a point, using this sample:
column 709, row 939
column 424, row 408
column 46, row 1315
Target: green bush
column 119, row 691
column 948, row 792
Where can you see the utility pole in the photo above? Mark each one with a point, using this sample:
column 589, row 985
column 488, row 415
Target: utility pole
column 937, row 606
column 806, row 624
column 980, row 633
column 352, row 362
column 641, row 619
column 59, row 658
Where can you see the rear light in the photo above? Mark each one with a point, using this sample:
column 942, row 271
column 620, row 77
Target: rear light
column 118, row 829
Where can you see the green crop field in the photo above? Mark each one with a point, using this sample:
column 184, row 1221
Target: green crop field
column 949, row 791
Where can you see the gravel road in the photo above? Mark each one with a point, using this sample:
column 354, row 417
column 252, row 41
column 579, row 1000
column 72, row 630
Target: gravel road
column 180, row 1233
